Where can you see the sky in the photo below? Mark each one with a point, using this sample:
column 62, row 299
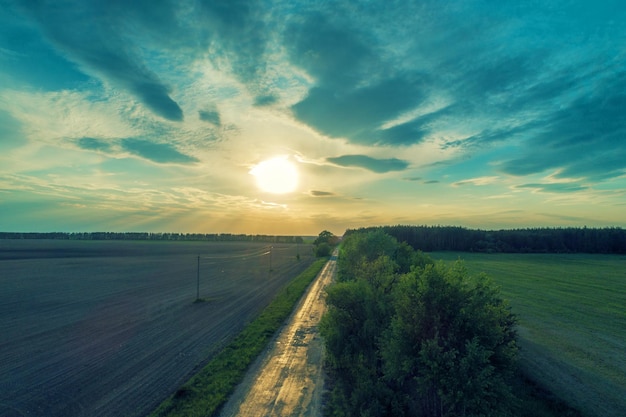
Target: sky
column 158, row 116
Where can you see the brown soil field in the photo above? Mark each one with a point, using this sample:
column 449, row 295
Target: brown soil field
column 110, row 328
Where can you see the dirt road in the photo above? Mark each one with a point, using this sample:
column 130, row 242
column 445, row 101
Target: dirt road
column 288, row 381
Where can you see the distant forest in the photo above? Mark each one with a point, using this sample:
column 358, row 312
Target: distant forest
column 222, row 237
column 540, row 240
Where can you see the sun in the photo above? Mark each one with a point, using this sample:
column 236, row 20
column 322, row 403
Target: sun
column 276, row 175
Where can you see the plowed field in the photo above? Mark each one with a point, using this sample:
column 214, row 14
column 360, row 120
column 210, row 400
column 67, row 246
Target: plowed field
column 110, row 328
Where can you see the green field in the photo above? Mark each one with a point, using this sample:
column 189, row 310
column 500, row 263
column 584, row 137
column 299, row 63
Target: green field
column 572, row 322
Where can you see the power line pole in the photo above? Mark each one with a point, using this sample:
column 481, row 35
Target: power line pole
column 271, row 258
column 198, row 281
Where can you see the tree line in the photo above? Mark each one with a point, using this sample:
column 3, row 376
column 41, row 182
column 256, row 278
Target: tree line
column 406, row 336
column 611, row 240
column 209, row 237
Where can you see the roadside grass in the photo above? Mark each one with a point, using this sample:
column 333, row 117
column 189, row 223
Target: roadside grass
column 209, row 389
column 572, row 321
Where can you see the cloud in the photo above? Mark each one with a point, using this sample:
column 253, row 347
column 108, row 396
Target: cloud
column 554, row 187
column 331, row 53
column 211, row 116
column 93, row 144
column 155, row 96
column 372, row 164
column 316, row 193
column 346, row 100
column 99, row 47
column 21, row 45
column 358, row 114
column 477, row 181
column 10, row 134
column 265, row 100
column 241, row 31
column 156, row 152
column 421, row 180
column 547, row 93
column 582, row 139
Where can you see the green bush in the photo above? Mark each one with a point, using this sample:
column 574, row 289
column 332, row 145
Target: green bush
column 322, row 250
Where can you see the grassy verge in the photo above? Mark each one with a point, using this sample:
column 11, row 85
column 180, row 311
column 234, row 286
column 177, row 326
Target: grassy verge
column 207, row 391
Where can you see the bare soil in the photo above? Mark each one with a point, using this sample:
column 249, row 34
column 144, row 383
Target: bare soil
column 110, row 328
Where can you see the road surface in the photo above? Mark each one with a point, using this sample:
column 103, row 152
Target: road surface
column 288, row 381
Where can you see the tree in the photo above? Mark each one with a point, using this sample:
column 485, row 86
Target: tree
column 358, row 313
column 326, row 237
column 406, row 336
column 323, row 249
column 451, row 346
column 324, row 243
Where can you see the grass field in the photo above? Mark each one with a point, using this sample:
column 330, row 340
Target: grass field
column 110, row 328
column 572, row 316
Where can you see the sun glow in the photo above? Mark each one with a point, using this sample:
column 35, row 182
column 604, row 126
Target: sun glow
column 276, row 175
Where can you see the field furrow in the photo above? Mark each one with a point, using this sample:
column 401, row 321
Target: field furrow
column 111, row 328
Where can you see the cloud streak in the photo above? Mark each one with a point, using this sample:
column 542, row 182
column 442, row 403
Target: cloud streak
column 317, row 193
column 554, row 187
column 379, row 166
column 93, row 144
column 162, row 153
column 98, row 46
column 156, row 152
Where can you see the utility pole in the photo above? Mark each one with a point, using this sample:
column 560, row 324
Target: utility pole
column 198, row 281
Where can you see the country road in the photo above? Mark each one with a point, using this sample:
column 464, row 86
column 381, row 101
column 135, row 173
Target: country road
column 288, row 380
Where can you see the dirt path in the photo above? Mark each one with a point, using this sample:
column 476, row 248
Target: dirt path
column 288, row 381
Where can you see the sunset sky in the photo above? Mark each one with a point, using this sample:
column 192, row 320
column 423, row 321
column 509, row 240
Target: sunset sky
column 120, row 115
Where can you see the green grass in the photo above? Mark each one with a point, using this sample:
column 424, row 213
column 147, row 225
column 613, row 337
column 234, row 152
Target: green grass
column 572, row 314
column 207, row 391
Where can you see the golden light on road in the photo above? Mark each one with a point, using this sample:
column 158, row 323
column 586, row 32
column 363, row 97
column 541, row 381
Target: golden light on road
column 276, row 175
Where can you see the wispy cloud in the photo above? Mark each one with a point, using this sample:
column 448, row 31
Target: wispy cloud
column 97, row 46
column 317, row 193
column 582, row 139
column 369, row 163
column 156, row 152
column 341, row 104
column 211, row 116
column 94, row 144
column 476, row 181
column 554, row 187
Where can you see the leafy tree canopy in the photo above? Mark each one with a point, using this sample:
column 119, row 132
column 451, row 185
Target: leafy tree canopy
column 406, row 336
column 326, row 237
